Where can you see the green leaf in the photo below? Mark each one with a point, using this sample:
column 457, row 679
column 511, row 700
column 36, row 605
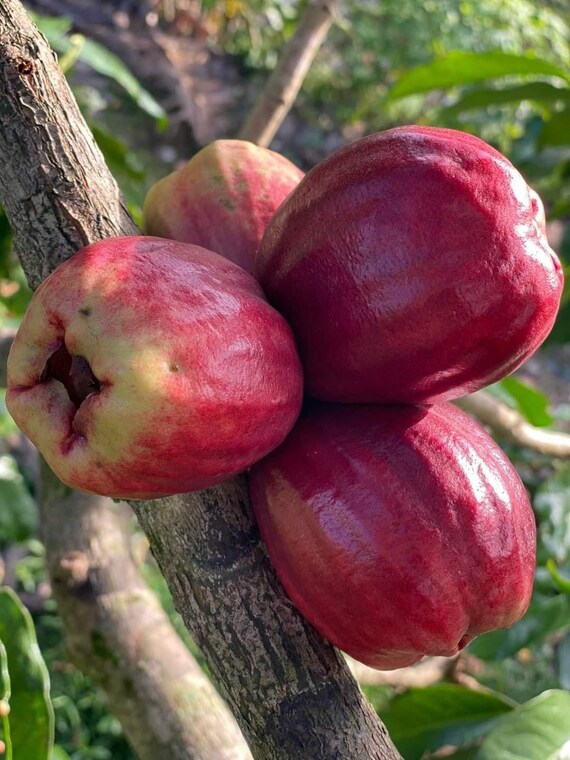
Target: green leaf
column 445, row 714
column 31, row 712
column 54, row 28
column 59, row 753
column 537, row 730
column 530, row 402
column 5, row 690
column 18, row 511
column 552, row 507
column 118, row 157
column 106, row 63
column 101, row 60
column 546, row 614
column 535, row 91
column 460, row 68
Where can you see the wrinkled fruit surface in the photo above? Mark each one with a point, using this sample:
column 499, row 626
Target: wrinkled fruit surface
column 412, row 265
column 146, row 367
column 396, row 531
column 222, row 198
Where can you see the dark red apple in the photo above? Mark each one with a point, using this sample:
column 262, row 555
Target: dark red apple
column 397, row 531
column 412, row 265
column 145, row 367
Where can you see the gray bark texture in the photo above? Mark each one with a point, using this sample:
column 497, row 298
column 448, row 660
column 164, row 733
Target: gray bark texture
column 59, row 195
column 290, row 691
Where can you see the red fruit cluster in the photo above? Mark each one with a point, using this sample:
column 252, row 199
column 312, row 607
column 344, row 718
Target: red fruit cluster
column 413, row 267
column 408, row 268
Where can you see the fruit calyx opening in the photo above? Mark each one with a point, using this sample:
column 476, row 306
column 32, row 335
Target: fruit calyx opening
column 75, row 374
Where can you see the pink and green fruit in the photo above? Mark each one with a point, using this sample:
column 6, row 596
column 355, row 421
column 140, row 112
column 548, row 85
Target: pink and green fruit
column 145, row 367
column 413, row 265
column 222, row 198
column 397, row 531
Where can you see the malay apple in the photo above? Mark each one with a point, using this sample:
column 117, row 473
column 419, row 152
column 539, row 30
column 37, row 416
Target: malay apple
column 145, row 367
column 413, row 266
column 222, row 198
column 397, row 531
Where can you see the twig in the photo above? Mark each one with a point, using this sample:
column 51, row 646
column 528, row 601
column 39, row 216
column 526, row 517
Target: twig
column 511, row 425
column 285, row 82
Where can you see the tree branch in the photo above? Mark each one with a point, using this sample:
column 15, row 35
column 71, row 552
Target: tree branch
column 119, row 635
column 291, row 693
column 115, row 628
column 285, row 82
column 509, row 424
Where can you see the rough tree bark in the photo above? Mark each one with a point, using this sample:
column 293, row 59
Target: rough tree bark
column 59, row 195
column 292, row 694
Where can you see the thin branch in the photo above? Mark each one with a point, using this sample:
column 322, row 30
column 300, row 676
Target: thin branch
column 509, row 424
column 290, row 691
column 283, row 85
column 301, row 701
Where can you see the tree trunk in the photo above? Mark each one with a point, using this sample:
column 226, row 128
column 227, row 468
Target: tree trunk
column 292, row 695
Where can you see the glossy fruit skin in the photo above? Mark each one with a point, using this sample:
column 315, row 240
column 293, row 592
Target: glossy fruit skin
column 397, row 531
column 198, row 376
column 222, row 198
column 413, row 266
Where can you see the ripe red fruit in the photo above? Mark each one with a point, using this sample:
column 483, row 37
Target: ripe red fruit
column 145, row 367
column 412, row 265
column 397, row 531
column 222, row 198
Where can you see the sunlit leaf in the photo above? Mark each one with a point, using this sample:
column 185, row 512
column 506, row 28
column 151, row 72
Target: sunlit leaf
column 537, row 730
column 101, row 60
column 530, row 402
column 561, row 583
column 108, row 64
column 484, row 97
column 460, row 68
